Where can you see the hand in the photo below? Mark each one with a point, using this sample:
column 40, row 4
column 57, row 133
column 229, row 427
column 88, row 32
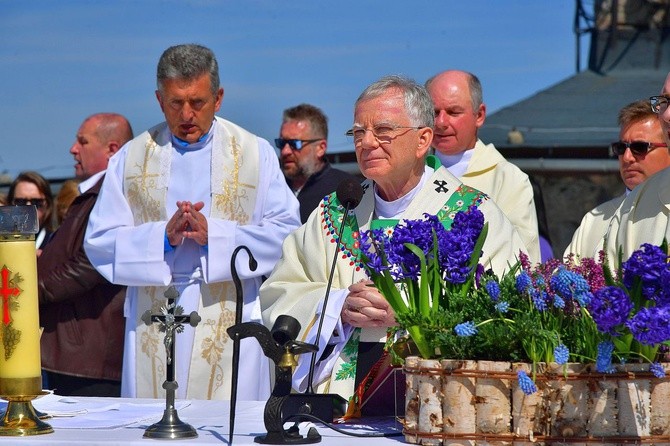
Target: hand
column 187, row 222
column 366, row 307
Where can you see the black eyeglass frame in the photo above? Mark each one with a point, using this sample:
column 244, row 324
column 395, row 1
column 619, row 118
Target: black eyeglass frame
column 37, row 202
column 637, row 148
column 295, row 144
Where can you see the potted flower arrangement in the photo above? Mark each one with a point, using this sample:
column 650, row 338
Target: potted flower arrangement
column 548, row 347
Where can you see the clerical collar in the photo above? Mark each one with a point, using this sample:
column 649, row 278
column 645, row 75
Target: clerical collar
column 199, row 144
column 394, row 209
column 457, row 164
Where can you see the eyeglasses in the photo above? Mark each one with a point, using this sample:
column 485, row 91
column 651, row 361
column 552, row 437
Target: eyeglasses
column 637, row 148
column 37, row 202
column 384, row 133
column 295, row 144
column 659, row 103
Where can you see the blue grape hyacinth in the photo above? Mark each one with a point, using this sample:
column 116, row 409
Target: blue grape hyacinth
column 526, row 384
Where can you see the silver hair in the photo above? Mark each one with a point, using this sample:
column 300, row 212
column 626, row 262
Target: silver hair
column 418, row 103
column 188, row 61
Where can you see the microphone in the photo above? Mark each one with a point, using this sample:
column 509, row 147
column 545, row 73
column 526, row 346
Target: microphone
column 349, row 193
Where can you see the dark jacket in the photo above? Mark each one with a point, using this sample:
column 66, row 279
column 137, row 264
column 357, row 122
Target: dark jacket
column 318, row 186
column 81, row 312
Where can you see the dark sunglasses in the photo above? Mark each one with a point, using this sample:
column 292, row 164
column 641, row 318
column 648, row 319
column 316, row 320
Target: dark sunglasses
column 295, row 144
column 639, row 148
column 37, row 202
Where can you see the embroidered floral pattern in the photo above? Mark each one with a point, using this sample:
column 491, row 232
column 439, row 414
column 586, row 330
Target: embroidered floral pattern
column 332, row 216
column 350, row 352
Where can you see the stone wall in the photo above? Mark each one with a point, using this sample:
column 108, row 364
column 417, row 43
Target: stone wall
column 568, row 196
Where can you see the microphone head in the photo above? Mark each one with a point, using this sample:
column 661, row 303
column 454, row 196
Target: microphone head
column 349, row 192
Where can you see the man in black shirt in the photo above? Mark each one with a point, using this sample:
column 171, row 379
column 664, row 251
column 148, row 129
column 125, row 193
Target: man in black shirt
column 302, row 144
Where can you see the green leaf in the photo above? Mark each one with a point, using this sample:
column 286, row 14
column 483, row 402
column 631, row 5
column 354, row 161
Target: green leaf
column 424, row 293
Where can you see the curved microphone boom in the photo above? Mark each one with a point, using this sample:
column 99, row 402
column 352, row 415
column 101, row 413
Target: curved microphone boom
column 349, row 193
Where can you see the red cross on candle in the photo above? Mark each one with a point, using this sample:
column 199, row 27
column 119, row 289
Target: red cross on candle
column 7, row 292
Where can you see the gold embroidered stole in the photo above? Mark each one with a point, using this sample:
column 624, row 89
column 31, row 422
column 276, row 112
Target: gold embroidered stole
column 234, row 176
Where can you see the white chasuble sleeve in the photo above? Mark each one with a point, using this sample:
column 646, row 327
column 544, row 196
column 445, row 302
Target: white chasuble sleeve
column 111, row 231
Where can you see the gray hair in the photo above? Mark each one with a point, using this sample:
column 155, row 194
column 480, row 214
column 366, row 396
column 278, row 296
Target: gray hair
column 418, row 103
column 188, row 62
column 475, row 86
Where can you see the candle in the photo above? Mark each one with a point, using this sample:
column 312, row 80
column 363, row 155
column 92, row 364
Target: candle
column 20, row 371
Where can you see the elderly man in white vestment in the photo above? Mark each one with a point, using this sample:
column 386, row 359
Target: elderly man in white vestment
column 459, row 113
column 392, row 132
column 176, row 202
column 644, row 216
column 641, row 152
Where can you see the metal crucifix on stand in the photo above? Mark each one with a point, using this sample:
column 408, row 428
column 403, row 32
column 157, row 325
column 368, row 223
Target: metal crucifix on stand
column 171, row 320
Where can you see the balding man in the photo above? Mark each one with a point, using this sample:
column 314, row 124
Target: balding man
column 459, row 113
column 81, row 312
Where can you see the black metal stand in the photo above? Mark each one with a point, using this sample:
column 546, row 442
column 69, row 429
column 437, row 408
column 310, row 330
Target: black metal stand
column 171, row 322
column 280, row 347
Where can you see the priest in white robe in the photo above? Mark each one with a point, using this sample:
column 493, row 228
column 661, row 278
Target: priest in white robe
column 392, row 133
column 175, row 203
column 459, row 114
column 641, row 152
column 643, row 217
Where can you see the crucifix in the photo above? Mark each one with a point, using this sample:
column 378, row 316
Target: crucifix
column 7, row 292
column 171, row 321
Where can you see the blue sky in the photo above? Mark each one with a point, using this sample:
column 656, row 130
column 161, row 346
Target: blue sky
column 61, row 61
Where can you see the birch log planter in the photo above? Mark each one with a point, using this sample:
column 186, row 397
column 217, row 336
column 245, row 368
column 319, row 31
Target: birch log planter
column 458, row 402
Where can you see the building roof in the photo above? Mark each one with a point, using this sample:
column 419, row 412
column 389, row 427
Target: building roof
column 578, row 112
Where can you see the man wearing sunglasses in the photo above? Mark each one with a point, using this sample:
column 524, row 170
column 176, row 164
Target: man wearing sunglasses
column 644, row 216
column 302, row 144
column 641, row 151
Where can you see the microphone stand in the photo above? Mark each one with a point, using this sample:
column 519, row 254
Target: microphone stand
column 235, row 334
column 324, row 406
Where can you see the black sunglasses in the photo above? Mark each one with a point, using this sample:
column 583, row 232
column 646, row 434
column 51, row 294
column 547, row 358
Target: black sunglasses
column 639, row 148
column 37, row 202
column 295, row 144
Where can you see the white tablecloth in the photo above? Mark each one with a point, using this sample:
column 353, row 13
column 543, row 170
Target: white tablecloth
column 133, row 416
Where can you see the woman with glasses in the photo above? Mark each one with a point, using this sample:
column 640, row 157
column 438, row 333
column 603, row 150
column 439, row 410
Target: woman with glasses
column 31, row 188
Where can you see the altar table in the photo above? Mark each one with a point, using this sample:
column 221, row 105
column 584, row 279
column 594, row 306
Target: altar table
column 108, row 421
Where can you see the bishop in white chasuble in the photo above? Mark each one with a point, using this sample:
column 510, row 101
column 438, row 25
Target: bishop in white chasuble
column 298, row 283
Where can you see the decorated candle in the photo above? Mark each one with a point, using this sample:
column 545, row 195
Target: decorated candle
column 19, row 314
